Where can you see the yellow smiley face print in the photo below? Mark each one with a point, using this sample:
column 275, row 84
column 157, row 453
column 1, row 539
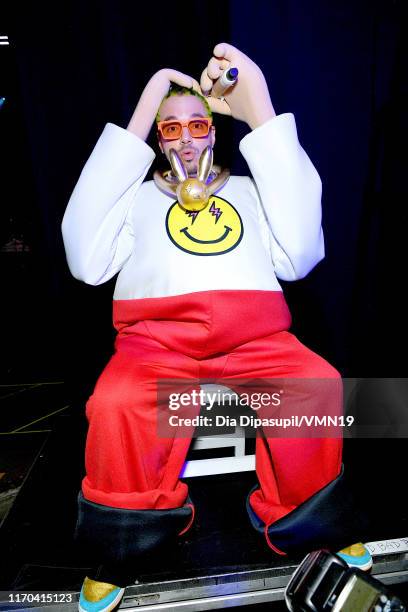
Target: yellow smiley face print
column 214, row 230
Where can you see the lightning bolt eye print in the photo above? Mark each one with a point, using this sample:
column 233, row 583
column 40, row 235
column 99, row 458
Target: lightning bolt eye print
column 193, row 214
column 213, row 231
column 215, row 211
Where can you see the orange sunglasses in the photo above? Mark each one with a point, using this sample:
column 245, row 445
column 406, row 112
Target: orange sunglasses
column 173, row 129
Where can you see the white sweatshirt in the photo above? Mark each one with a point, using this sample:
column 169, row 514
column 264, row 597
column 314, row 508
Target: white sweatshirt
column 251, row 233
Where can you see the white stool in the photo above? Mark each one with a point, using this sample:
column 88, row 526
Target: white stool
column 239, row 462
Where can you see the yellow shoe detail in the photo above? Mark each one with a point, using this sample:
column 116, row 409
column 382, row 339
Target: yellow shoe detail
column 95, row 591
column 355, row 550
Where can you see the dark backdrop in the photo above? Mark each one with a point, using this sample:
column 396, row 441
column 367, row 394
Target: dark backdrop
column 339, row 66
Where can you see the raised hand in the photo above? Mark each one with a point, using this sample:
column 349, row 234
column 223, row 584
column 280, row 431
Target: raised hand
column 248, row 100
column 152, row 95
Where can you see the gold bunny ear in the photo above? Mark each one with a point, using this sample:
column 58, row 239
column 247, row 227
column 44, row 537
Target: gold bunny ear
column 177, row 166
column 205, row 164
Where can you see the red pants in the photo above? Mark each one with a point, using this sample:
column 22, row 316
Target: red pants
column 215, row 335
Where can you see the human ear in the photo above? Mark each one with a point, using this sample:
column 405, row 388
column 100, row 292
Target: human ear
column 212, row 136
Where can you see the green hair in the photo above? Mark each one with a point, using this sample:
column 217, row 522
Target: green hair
column 177, row 90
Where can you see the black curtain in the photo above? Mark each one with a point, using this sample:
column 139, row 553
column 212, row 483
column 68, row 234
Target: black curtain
column 338, row 66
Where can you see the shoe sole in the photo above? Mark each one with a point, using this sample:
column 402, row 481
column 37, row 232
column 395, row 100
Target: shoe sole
column 363, row 566
column 110, row 606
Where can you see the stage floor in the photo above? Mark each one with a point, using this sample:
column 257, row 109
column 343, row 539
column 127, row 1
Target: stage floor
column 41, row 459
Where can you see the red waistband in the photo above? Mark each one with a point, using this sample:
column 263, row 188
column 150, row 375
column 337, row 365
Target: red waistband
column 204, row 322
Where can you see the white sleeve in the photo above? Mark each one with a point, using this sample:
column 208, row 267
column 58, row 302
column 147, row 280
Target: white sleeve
column 289, row 189
column 97, row 233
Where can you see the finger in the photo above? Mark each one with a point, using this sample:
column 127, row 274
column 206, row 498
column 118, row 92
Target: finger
column 215, row 68
column 196, row 87
column 227, row 51
column 184, row 80
column 218, row 106
column 205, row 81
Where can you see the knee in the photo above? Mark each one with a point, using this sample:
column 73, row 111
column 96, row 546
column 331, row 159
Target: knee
column 317, row 367
column 328, row 371
column 106, row 404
